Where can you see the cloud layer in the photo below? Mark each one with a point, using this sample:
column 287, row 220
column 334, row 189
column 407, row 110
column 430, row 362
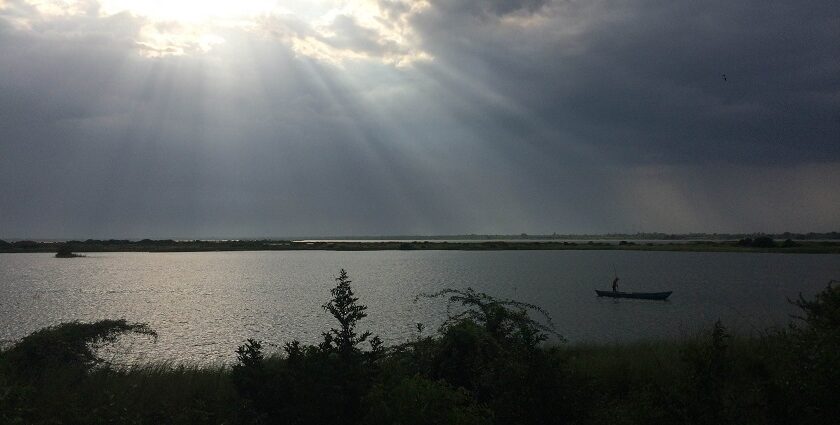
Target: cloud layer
column 388, row 117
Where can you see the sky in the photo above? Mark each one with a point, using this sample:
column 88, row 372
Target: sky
column 260, row 118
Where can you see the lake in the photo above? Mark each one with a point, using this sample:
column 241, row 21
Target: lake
column 204, row 305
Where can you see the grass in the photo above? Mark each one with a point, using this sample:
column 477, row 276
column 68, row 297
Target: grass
column 621, row 383
column 181, row 394
column 482, row 367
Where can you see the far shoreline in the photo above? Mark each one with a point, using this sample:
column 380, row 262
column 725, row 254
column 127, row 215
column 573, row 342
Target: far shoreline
column 758, row 245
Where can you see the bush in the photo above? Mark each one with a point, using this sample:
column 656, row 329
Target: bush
column 25, row 244
column 763, row 242
column 814, row 364
column 68, row 346
column 507, row 321
column 41, row 375
column 485, row 365
column 312, row 384
column 709, row 372
column 417, row 400
column 491, row 348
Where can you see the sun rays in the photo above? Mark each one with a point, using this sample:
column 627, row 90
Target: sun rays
column 192, row 11
column 330, row 31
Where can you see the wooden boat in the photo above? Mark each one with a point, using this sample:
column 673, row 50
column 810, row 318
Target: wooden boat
column 637, row 295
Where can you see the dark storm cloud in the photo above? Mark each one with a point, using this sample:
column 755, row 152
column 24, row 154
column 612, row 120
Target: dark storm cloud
column 643, row 80
column 533, row 116
column 487, row 7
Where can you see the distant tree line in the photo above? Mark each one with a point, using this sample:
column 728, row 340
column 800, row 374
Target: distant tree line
column 752, row 243
column 607, row 236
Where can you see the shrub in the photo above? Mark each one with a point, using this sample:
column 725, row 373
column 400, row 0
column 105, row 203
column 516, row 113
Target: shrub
column 41, row 375
column 491, row 349
column 347, row 312
column 250, row 354
column 763, row 242
column 745, row 242
column 506, row 320
column 822, row 315
column 68, row 346
column 312, row 384
column 25, row 244
column 417, row 400
column 788, row 243
column 811, row 380
column 709, row 370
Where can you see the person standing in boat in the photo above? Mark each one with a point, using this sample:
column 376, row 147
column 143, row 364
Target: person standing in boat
column 615, row 284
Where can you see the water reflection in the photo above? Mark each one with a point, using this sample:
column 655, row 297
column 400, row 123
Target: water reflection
column 205, row 304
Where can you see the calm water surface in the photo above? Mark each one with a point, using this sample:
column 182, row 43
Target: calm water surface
column 204, row 305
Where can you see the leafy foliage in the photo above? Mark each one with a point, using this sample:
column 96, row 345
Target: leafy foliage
column 312, row 384
column 505, row 320
column 416, row 400
column 485, row 365
column 709, row 373
column 347, row 312
column 250, row 354
column 46, row 366
column 813, row 352
column 68, row 345
column 491, row 348
column 823, row 313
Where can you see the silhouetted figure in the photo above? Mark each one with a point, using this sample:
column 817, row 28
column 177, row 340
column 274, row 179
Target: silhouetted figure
column 615, row 284
column 724, row 77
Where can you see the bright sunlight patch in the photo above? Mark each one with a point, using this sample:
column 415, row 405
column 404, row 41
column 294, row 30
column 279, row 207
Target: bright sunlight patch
column 333, row 31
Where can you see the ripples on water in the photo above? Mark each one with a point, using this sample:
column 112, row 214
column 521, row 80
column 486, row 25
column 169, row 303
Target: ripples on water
column 204, row 305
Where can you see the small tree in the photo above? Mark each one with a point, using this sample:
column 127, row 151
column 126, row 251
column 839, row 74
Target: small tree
column 505, row 320
column 823, row 313
column 344, row 308
column 814, row 374
column 250, row 354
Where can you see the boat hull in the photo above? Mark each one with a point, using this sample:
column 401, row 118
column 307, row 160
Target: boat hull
column 635, row 295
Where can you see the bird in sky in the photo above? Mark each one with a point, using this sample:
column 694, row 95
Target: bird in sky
column 724, row 77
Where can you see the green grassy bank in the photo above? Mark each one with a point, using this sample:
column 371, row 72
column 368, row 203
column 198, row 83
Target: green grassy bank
column 486, row 365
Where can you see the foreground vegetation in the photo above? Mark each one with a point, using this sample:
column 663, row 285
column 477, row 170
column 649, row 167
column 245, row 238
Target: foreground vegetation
column 487, row 364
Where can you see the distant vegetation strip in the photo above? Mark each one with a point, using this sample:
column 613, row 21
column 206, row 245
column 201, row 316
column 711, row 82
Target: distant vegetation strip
column 647, row 236
column 746, row 244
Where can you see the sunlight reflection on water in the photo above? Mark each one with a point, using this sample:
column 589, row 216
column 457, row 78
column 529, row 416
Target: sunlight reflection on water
column 203, row 305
